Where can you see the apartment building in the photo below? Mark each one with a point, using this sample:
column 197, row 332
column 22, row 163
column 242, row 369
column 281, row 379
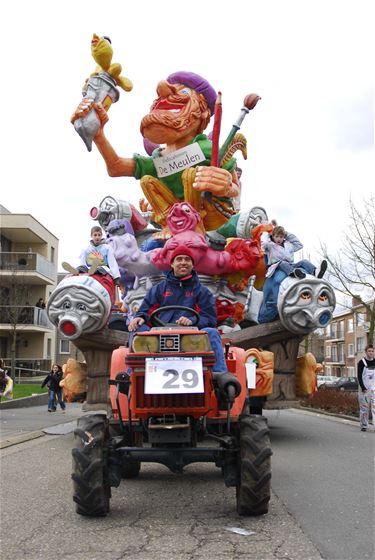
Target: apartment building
column 28, row 273
column 345, row 341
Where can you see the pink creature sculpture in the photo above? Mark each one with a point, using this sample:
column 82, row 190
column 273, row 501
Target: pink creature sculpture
column 184, row 223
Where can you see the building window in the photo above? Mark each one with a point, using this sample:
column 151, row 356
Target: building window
column 360, row 343
column 64, row 346
column 351, row 372
column 49, row 346
column 360, row 319
column 328, row 352
column 52, row 254
column 334, row 353
column 341, row 326
column 350, row 350
column 333, row 330
column 350, row 325
column 328, row 370
column 340, row 353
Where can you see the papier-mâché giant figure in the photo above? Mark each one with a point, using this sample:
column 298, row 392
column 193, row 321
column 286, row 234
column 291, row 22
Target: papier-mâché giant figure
column 181, row 170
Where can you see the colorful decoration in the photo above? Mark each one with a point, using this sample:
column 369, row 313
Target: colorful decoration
column 81, row 304
column 307, row 369
column 74, row 381
column 191, row 187
column 264, row 361
column 183, row 221
column 102, row 52
column 216, row 132
column 100, row 88
column 305, row 305
column 249, row 104
column 127, row 252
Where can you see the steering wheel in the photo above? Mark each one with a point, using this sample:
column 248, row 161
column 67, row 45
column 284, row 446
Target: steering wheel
column 155, row 321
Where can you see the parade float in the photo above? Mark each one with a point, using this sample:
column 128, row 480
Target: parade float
column 190, row 182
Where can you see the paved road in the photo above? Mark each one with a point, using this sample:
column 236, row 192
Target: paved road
column 323, row 470
column 314, row 514
column 21, row 424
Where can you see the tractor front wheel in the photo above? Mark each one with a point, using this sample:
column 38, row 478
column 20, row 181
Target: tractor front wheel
column 254, row 491
column 91, row 491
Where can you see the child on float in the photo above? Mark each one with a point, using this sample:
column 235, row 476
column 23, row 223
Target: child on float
column 99, row 255
column 279, row 247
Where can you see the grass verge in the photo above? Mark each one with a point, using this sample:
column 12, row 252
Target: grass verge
column 24, row 390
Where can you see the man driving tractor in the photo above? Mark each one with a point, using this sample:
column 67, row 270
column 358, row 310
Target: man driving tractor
column 183, row 288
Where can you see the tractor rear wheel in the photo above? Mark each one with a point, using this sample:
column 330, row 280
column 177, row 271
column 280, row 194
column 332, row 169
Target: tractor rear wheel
column 91, row 491
column 254, row 491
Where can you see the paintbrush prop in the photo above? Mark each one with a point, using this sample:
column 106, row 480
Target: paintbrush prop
column 249, row 103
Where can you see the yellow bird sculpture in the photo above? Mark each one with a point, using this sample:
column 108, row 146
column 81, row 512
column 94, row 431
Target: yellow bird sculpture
column 102, row 52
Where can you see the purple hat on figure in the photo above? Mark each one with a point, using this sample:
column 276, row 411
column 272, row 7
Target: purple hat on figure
column 197, row 83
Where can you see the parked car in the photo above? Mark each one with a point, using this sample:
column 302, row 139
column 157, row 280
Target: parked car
column 347, row 384
column 326, row 381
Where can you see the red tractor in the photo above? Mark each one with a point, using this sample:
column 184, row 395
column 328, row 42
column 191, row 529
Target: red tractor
column 169, row 407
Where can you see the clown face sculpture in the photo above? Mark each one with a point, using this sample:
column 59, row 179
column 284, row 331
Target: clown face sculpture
column 305, row 305
column 79, row 305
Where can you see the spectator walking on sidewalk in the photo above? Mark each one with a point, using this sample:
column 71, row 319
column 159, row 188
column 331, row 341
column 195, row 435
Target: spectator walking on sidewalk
column 52, row 381
column 366, row 387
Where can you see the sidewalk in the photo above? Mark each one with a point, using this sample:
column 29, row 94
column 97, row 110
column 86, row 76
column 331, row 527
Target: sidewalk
column 30, row 422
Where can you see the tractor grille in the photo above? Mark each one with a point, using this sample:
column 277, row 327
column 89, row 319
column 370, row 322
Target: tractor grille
column 169, row 343
column 187, row 401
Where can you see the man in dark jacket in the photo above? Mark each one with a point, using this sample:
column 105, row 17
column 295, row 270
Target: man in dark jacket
column 182, row 287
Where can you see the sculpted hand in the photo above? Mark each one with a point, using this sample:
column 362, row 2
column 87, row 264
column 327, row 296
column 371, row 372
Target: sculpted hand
column 135, row 323
column 184, row 321
column 215, row 180
column 85, row 107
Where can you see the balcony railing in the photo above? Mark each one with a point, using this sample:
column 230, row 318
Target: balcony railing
column 27, row 262
column 24, row 315
column 32, row 367
column 340, row 334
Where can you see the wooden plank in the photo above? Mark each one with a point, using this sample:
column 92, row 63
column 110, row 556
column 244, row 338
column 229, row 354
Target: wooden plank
column 107, row 339
column 260, row 336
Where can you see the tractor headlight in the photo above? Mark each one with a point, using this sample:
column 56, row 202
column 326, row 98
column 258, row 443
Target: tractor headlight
column 145, row 344
column 195, row 343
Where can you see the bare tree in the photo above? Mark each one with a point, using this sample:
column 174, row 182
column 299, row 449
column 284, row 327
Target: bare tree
column 352, row 269
column 14, row 296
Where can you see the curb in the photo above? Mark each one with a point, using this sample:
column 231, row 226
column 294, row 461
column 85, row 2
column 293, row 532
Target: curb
column 35, row 400
column 56, row 430
column 21, row 438
column 326, row 413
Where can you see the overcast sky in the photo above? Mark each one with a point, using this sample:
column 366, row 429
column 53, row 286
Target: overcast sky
column 310, row 138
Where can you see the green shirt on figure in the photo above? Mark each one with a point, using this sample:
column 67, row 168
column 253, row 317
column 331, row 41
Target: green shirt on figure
column 144, row 165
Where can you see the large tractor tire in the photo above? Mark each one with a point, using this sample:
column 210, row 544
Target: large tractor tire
column 254, row 491
column 91, row 491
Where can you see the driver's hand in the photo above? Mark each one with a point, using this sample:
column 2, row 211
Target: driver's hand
column 184, row 321
column 135, row 323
